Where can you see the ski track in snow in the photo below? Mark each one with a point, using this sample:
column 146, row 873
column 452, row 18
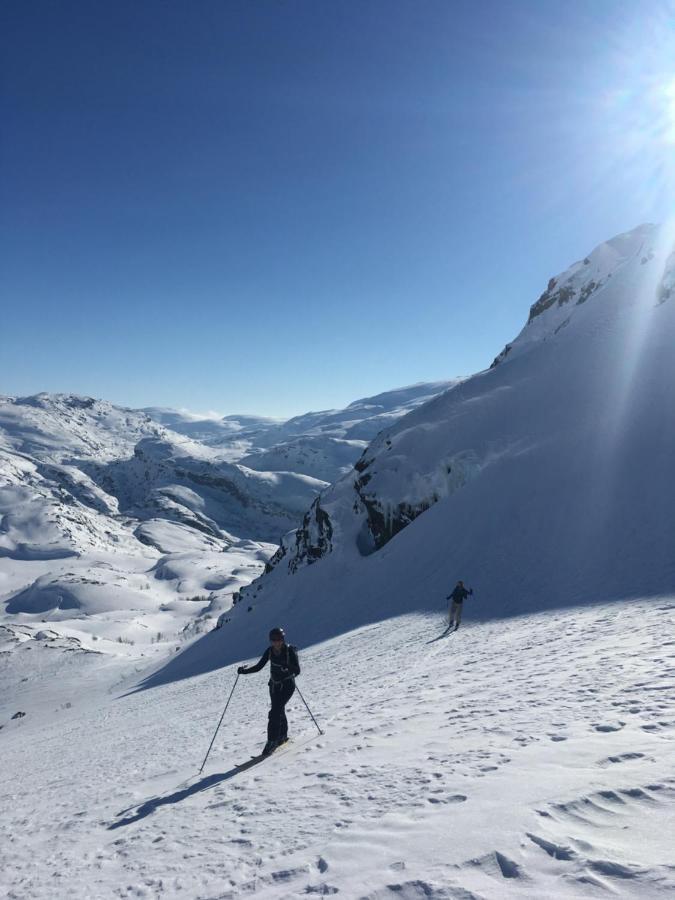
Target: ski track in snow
column 525, row 758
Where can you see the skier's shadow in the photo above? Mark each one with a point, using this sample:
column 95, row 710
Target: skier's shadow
column 147, row 808
column 446, row 633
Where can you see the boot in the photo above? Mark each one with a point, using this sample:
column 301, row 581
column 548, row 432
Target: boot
column 269, row 747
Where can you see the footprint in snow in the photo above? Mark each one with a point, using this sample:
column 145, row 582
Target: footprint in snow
column 622, row 757
column 658, row 726
column 451, row 798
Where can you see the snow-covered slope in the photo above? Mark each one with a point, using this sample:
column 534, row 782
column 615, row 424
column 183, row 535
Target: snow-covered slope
column 526, row 759
column 544, row 481
column 55, row 427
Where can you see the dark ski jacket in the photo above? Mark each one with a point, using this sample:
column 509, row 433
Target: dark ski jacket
column 460, row 594
column 283, row 665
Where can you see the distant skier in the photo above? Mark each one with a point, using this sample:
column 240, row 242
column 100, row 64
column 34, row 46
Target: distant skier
column 284, row 666
column 458, row 596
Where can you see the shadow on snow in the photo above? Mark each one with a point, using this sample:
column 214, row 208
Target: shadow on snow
column 149, row 807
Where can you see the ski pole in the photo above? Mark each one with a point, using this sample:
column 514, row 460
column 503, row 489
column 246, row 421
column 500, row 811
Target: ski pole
column 219, row 723
column 308, row 709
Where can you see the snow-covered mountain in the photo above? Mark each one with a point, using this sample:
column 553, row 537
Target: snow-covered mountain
column 324, row 445
column 105, row 513
column 108, row 511
column 544, row 481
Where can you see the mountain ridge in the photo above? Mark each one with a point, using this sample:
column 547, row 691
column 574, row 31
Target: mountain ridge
column 527, row 477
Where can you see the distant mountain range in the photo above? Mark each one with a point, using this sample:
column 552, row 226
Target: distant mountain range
column 323, row 445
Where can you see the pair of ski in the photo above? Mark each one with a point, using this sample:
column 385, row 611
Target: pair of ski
column 451, row 629
column 261, row 757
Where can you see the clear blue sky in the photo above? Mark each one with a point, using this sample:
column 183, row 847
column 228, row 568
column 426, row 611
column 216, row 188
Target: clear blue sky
column 270, row 207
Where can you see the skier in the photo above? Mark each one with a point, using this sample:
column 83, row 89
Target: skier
column 458, row 596
column 284, row 666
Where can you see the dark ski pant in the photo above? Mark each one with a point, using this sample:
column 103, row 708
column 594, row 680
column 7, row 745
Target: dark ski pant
column 456, row 612
column 277, row 724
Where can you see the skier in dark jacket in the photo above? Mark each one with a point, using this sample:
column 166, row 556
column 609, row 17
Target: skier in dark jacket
column 284, row 666
column 458, row 596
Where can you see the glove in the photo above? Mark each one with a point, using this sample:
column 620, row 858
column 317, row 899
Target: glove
column 241, row 670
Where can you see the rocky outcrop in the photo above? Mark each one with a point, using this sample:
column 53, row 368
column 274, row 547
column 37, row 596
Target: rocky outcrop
column 560, row 294
column 385, row 522
column 313, row 539
column 308, row 543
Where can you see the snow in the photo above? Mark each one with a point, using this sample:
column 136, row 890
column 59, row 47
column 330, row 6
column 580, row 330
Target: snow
column 525, row 758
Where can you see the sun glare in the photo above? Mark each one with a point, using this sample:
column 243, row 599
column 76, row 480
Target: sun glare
column 668, row 94
column 636, row 119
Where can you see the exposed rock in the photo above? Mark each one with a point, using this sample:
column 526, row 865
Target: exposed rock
column 313, row 539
